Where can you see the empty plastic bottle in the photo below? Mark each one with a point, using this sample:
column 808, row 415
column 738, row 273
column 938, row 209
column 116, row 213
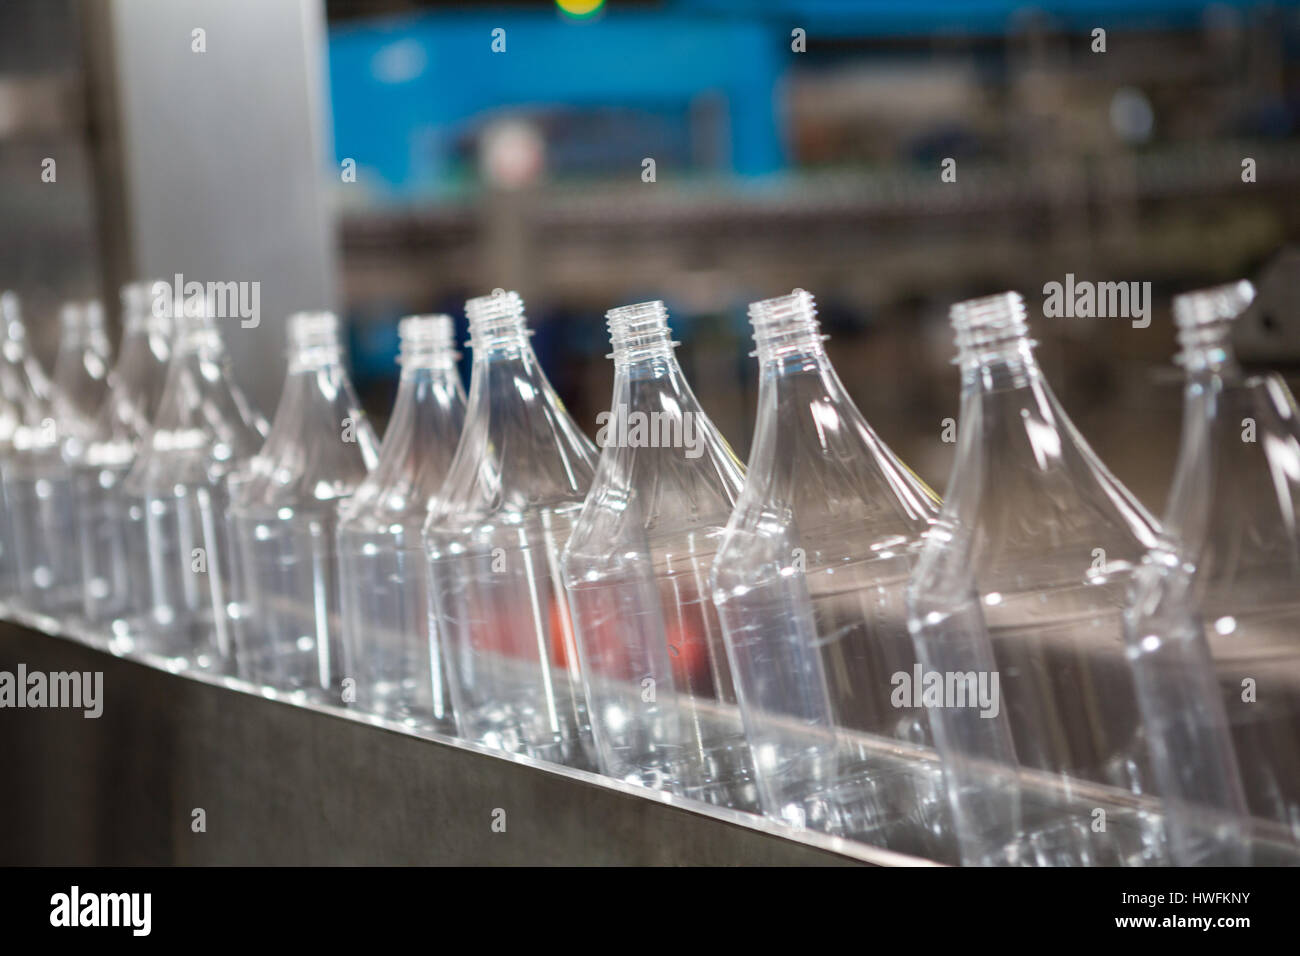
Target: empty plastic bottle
column 24, row 412
column 113, row 548
column 42, row 502
column 178, row 498
column 384, row 596
column 809, row 584
column 285, row 511
column 1214, row 627
column 658, row 683
column 515, row 487
column 1016, row 608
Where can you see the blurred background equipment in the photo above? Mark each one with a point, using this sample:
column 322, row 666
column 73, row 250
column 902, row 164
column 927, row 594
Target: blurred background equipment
column 395, row 157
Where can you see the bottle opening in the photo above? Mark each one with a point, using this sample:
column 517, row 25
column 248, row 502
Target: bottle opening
column 496, row 320
column 786, row 325
column 311, row 330
column 1204, row 320
column 639, row 332
column 427, row 341
column 990, row 326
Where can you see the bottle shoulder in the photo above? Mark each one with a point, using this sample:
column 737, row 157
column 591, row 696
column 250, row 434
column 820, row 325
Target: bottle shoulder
column 657, row 502
column 414, row 458
column 1235, row 499
column 519, row 451
column 1030, row 505
column 320, row 447
column 819, row 472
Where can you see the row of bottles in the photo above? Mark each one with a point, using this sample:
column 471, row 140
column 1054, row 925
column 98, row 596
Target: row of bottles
column 1031, row 671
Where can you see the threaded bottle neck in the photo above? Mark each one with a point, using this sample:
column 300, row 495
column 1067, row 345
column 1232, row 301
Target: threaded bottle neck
column 81, row 324
column 992, row 329
column 313, row 340
column 147, row 306
column 196, row 331
column 426, row 342
column 14, row 329
column 496, row 322
column 786, row 327
column 1204, row 321
column 639, row 333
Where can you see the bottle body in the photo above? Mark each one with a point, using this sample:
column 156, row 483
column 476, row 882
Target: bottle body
column 656, row 676
column 507, row 637
column 285, row 520
column 113, row 548
column 43, row 498
column 493, row 540
column 177, row 502
column 809, row 586
column 25, row 392
column 384, row 599
column 1024, row 590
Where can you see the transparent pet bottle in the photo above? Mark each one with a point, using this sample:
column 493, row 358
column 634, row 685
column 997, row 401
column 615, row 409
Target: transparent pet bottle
column 809, row 584
column 1214, row 627
column 384, row 597
column 1016, row 609
column 177, row 500
column 43, row 505
column 113, row 552
column 515, row 487
column 658, row 683
column 285, row 515
column 24, row 415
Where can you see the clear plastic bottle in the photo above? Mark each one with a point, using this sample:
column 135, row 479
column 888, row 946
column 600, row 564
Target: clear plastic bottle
column 516, row 485
column 285, row 515
column 655, row 670
column 24, row 411
column 1218, row 602
column 1023, row 582
column 809, row 584
column 113, row 549
column 384, row 595
column 177, row 497
column 42, row 501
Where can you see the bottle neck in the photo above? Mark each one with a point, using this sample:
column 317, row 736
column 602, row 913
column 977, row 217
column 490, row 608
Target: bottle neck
column 497, row 327
column 787, row 333
column 994, row 349
column 1206, row 352
column 315, row 359
column 197, row 337
column 1204, row 320
column 13, row 329
column 82, row 330
column 1012, row 366
column 791, row 352
column 428, row 348
column 314, row 343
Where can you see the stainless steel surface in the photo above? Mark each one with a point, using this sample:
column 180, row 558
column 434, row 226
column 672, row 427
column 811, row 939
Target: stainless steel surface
column 217, row 158
column 281, row 784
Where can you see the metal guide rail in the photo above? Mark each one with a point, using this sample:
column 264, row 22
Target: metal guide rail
column 198, row 768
